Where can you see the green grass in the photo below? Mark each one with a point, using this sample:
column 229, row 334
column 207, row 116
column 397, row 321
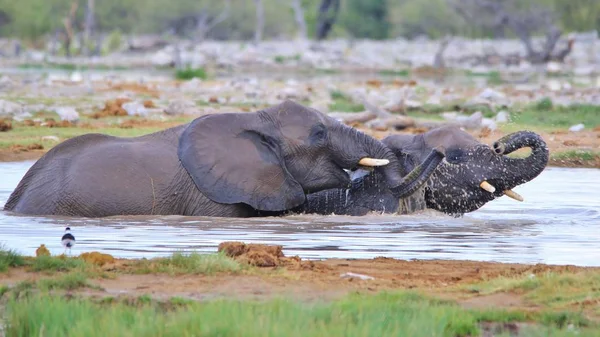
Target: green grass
column 189, row 73
column 193, row 263
column 385, row 314
column 545, row 113
column 343, row 103
column 582, row 155
column 54, row 264
column 70, row 281
column 9, row 258
column 394, row 72
column 493, row 77
column 551, row 290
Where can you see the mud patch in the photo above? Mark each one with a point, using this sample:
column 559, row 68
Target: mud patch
column 112, row 108
column 5, row 126
column 97, row 258
column 253, row 254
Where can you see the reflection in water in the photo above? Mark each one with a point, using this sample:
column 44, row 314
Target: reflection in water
column 557, row 223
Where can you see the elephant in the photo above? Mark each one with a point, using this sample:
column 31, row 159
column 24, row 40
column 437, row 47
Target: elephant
column 225, row 165
column 470, row 175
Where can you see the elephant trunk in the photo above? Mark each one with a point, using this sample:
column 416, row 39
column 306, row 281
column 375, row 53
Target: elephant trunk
column 521, row 170
column 419, row 175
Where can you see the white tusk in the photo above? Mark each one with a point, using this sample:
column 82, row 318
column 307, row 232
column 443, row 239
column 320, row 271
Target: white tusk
column 373, row 162
column 487, row 186
column 513, row 195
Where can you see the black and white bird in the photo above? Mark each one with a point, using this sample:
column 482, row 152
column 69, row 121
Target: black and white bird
column 68, row 240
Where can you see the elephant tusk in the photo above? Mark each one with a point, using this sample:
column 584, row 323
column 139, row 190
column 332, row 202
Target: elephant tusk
column 373, row 162
column 513, row 195
column 487, row 186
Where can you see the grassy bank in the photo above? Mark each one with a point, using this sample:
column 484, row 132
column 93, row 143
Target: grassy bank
column 384, row 314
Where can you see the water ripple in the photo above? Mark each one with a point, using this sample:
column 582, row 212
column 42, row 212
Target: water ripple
column 557, row 224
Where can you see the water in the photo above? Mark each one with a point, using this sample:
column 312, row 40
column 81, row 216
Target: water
column 557, row 224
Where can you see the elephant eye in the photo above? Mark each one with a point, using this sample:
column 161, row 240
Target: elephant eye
column 318, row 133
column 455, row 156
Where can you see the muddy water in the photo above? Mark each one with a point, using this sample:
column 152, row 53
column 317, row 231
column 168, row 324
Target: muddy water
column 559, row 223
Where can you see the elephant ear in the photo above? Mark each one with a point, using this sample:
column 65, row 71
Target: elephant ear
column 233, row 162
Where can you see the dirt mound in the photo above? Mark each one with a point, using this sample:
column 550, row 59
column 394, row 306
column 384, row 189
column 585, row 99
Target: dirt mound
column 135, row 87
column 26, row 148
column 149, row 104
column 42, row 251
column 112, row 108
column 253, row 254
column 51, row 123
column 97, row 258
column 5, row 125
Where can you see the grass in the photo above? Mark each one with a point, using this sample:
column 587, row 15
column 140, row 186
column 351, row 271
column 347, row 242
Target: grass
column 343, row 103
column 581, row 155
column 189, row 73
column 193, row 263
column 70, row 281
column 54, row 264
column 384, row 314
column 545, row 113
column 493, row 77
column 551, row 290
column 9, row 258
column 394, row 72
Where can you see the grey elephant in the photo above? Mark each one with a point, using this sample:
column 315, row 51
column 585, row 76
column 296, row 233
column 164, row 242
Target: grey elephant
column 471, row 175
column 233, row 164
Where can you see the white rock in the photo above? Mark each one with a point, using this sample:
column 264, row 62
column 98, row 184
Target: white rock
column 354, row 275
column 22, row 116
column 492, row 95
column 577, row 127
column 553, row 67
column 135, row 109
column 162, row 57
column 9, row 109
column 67, row 113
column 76, row 77
column 50, row 139
column 554, row 85
column 502, row 117
column 181, row 107
column 489, row 123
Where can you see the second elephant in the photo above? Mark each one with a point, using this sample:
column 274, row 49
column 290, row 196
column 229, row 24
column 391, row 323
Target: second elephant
column 471, row 175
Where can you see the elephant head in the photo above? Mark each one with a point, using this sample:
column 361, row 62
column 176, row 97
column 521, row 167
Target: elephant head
column 471, row 175
column 272, row 158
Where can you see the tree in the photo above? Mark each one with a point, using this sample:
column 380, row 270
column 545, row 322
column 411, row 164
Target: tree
column 300, row 19
column 522, row 21
column 89, row 27
column 367, row 19
column 260, row 21
column 328, row 12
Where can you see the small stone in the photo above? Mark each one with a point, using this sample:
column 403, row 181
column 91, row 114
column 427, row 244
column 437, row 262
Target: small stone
column 577, row 127
column 554, row 85
column 135, row 109
column 359, row 276
column 67, row 113
column 50, row 139
column 9, row 109
column 182, row 107
column 553, row 67
column 76, row 77
column 22, row 116
column 502, row 117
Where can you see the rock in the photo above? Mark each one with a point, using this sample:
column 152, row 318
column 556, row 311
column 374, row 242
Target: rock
column 135, row 109
column 353, row 117
column 577, row 127
column 489, row 123
column 162, row 58
column 67, row 113
column 553, row 67
column 76, row 77
column 22, row 116
column 9, row 109
column 291, row 93
column 492, row 95
column 554, row 85
column 502, row 117
column 50, row 139
column 182, row 107
column 355, row 275
column 469, row 122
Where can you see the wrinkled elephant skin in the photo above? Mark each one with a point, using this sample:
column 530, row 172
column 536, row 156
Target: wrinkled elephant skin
column 233, row 164
column 471, row 175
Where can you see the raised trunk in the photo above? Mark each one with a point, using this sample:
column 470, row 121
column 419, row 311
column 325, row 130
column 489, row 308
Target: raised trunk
column 522, row 170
